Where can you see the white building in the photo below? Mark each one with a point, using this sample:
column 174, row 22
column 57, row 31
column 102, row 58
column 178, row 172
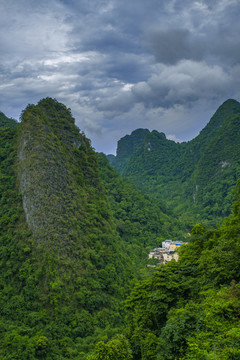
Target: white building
column 167, row 252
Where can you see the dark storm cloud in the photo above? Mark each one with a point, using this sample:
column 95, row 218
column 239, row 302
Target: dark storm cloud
column 173, row 45
column 170, row 46
column 123, row 64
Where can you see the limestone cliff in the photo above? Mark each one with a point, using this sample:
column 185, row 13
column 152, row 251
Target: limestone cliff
column 57, row 174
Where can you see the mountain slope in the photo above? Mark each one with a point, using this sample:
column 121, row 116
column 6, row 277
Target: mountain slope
column 141, row 220
column 127, row 146
column 73, row 234
column 173, row 172
column 190, row 309
column 194, row 148
column 219, row 168
column 63, row 268
column 7, row 122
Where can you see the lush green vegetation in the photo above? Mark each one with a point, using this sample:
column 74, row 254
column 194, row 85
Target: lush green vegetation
column 127, row 146
column 190, row 309
column 195, row 179
column 7, row 122
column 142, row 221
column 64, row 272
column 74, row 237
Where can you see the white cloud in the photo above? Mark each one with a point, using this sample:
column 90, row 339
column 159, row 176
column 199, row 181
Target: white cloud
column 188, row 81
column 32, row 29
column 173, row 137
column 69, row 59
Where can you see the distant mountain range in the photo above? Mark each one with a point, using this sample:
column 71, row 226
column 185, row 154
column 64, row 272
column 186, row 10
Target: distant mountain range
column 195, row 177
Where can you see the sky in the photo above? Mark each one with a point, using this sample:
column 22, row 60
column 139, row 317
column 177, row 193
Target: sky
column 120, row 65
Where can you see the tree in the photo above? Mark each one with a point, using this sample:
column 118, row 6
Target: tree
column 115, row 349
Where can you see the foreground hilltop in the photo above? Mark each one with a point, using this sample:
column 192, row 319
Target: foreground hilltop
column 197, row 176
column 62, row 262
column 73, row 234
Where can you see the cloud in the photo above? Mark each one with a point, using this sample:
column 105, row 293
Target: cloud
column 170, row 46
column 214, row 38
column 115, row 105
column 186, row 82
column 120, row 65
column 32, row 29
column 173, row 138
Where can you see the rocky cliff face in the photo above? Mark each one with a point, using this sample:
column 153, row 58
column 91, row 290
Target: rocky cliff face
column 54, row 161
column 130, row 143
column 43, row 179
column 62, row 262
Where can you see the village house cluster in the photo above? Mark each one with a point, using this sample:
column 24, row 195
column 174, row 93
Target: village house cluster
column 166, row 253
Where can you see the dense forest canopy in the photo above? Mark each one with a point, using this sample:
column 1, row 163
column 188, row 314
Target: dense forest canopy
column 75, row 235
column 63, row 269
column 195, row 179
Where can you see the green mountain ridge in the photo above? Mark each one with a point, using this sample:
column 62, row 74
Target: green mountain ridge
column 7, row 122
column 63, row 269
column 74, row 238
column 182, row 173
column 219, row 166
column 73, row 234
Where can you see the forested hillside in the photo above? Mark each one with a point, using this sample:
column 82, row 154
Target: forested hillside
column 74, row 239
column 7, row 122
column 194, row 178
column 64, row 271
column 190, row 309
column 142, row 221
column 73, row 235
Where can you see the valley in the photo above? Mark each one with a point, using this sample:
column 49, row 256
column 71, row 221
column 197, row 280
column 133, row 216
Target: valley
column 77, row 228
